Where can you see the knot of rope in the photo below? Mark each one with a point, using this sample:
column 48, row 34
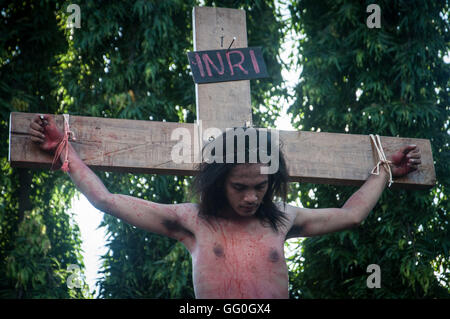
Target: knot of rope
column 64, row 145
column 382, row 160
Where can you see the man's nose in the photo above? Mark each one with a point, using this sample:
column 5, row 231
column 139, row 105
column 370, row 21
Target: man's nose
column 250, row 197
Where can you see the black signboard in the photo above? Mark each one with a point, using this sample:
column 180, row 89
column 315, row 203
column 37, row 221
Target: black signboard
column 227, row 65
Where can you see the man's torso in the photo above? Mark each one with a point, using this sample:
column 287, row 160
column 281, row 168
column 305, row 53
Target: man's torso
column 236, row 259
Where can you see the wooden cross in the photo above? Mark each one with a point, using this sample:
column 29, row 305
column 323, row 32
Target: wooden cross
column 146, row 146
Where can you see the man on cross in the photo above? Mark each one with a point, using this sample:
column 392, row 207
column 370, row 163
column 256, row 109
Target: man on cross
column 236, row 233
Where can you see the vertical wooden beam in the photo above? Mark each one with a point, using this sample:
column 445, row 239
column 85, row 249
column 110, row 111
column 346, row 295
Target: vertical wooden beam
column 225, row 104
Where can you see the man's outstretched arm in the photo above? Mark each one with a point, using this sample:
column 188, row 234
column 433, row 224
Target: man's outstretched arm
column 313, row 222
column 158, row 218
column 361, row 203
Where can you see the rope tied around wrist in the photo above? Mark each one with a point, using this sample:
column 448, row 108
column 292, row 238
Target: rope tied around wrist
column 382, row 160
column 64, row 145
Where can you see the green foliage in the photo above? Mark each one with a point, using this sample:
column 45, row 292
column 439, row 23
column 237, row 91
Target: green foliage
column 30, row 43
column 31, row 268
column 390, row 81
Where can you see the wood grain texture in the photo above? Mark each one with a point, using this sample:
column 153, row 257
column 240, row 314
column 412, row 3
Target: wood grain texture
column 348, row 159
column 104, row 143
column 146, row 147
column 226, row 104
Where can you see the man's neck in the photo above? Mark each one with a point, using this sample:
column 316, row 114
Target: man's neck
column 230, row 214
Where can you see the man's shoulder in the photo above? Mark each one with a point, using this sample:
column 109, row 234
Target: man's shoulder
column 285, row 207
column 290, row 211
column 187, row 208
column 187, row 213
column 188, row 205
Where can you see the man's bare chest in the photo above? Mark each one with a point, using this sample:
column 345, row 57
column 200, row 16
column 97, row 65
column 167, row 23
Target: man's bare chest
column 248, row 251
column 239, row 262
column 241, row 249
column 240, row 242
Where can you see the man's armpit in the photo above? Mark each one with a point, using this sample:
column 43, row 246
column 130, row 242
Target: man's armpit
column 295, row 231
column 175, row 228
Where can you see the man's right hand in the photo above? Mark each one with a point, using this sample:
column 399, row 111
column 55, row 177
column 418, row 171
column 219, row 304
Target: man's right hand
column 43, row 130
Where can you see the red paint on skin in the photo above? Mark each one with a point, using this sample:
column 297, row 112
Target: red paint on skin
column 356, row 200
column 53, row 136
column 113, row 136
column 253, row 265
column 397, row 157
column 401, row 163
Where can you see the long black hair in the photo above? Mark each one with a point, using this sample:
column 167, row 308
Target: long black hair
column 209, row 183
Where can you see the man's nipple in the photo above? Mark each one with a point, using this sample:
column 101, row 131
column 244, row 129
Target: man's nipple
column 218, row 251
column 274, row 256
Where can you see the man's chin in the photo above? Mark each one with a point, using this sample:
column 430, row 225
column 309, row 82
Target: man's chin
column 244, row 211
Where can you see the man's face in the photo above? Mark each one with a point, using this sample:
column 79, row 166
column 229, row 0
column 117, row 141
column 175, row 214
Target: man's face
column 245, row 188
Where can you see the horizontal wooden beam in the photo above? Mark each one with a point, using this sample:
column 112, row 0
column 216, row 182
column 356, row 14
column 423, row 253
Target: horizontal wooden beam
column 348, row 159
column 146, row 147
column 106, row 144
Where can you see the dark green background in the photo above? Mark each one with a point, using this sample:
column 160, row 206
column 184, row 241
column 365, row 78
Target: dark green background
column 128, row 60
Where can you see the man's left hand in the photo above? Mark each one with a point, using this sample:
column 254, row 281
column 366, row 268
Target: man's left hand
column 406, row 160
